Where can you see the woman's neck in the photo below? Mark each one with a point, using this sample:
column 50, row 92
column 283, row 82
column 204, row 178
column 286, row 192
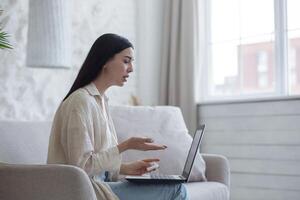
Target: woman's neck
column 102, row 86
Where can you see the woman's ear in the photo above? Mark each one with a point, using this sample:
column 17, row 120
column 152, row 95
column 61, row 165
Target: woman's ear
column 104, row 69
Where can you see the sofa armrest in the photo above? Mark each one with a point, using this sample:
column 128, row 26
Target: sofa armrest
column 47, row 182
column 217, row 168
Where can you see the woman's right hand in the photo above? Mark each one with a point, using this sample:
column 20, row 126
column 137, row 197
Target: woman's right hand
column 138, row 167
column 140, row 143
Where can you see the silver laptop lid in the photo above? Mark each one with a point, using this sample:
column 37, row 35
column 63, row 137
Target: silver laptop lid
column 193, row 151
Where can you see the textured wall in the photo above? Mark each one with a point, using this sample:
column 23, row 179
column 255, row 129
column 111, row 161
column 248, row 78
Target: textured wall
column 34, row 93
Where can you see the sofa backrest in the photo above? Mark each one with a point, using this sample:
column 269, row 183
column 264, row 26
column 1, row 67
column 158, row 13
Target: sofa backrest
column 24, row 142
column 27, row 142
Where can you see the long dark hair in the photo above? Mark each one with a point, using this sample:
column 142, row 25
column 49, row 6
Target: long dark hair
column 103, row 49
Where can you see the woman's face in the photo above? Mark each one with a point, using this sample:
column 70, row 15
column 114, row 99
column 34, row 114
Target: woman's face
column 118, row 68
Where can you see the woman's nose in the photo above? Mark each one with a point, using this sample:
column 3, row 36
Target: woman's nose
column 130, row 68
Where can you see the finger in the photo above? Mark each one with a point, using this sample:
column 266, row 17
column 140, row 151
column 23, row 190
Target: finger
column 151, row 160
column 143, row 139
column 148, row 140
column 155, row 147
column 142, row 164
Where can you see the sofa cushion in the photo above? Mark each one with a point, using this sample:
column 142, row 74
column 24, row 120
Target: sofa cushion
column 165, row 125
column 207, row 191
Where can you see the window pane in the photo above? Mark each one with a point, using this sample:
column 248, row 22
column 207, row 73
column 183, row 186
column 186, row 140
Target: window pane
column 293, row 14
column 293, row 46
column 224, row 75
column 224, row 20
column 241, row 48
column 257, row 17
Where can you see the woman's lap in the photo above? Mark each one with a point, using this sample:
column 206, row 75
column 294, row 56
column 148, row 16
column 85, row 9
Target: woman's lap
column 129, row 191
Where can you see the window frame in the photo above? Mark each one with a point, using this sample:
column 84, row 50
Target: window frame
column 280, row 58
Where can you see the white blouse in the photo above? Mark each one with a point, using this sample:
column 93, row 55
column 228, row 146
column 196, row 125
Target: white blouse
column 83, row 135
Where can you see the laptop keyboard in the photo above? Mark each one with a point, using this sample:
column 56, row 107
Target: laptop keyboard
column 161, row 176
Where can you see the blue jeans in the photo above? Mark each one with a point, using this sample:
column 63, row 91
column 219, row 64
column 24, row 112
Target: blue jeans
column 132, row 191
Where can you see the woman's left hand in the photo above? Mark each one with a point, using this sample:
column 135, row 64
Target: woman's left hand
column 138, row 167
column 139, row 143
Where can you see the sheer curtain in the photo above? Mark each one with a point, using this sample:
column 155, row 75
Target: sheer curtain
column 180, row 60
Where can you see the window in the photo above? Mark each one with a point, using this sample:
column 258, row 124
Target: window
column 293, row 35
column 252, row 49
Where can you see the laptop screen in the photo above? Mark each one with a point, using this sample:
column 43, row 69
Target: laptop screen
column 193, row 151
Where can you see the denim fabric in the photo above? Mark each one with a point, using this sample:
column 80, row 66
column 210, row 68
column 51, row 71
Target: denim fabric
column 132, row 191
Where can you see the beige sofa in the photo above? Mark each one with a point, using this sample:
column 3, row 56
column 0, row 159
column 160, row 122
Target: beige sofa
column 23, row 151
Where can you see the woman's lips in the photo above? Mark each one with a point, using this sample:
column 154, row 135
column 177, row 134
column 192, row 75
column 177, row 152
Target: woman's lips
column 125, row 78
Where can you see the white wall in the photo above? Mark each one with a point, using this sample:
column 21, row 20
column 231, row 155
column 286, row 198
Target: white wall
column 261, row 141
column 34, row 94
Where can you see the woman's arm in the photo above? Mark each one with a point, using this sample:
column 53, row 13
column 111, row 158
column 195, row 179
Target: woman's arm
column 123, row 147
column 79, row 148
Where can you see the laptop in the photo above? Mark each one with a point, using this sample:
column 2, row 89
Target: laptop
column 160, row 178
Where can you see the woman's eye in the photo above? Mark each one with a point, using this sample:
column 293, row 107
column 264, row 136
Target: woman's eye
column 126, row 61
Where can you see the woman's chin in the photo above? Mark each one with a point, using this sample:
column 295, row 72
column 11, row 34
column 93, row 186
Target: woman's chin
column 118, row 83
column 121, row 84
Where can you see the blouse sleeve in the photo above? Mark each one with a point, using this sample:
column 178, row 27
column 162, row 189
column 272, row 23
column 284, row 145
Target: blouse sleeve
column 80, row 150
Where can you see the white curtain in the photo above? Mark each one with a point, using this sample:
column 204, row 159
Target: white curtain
column 180, row 60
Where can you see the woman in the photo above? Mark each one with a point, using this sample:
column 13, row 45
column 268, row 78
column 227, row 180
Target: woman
column 83, row 133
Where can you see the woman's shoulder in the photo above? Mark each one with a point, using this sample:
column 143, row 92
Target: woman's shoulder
column 80, row 98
